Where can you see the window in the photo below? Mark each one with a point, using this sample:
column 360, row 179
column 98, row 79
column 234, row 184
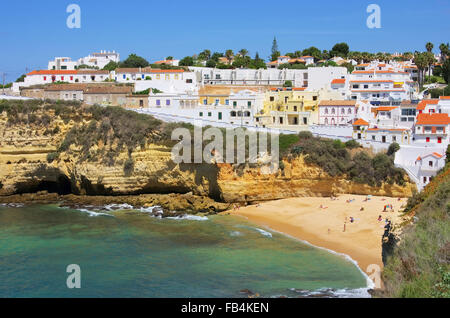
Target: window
column 189, row 81
column 74, row 96
column 272, row 98
column 200, row 114
column 217, row 102
column 209, row 114
column 249, row 104
column 227, row 102
column 124, row 76
column 430, row 163
column 45, row 78
column 439, row 140
column 205, row 101
column 220, row 116
column 343, row 111
column 326, row 110
column 62, row 78
column 167, row 76
column 305, row 121
column 71, row 78
column 158, row 102
column 234, row 104
column 394, row 138
column 366, row 86
column 424, row 179
column 355, row 86
column 333, row 111
column 295, row 108
column 428, row 139
column 167, row 102
column 314, row 98
column 350, row 111
column 373, row 138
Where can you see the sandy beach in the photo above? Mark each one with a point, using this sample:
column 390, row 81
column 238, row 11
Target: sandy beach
column 320, row 221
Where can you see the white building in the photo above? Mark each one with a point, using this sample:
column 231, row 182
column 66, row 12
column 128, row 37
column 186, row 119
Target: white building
column 427, row 167
column 381, row 83
column 99, row 60
column 168, row 81
column 62, row 63
column 432, row 129
column 337, row 112
column 239, row 108
column 313, row 78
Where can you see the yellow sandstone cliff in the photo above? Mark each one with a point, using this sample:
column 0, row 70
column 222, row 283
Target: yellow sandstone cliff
column 24, row 168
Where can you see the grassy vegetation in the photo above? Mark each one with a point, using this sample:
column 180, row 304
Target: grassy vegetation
column 335, row 157
column 420, row 264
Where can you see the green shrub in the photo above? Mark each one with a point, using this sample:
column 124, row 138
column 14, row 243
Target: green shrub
column 393, row 148
column 352, row 144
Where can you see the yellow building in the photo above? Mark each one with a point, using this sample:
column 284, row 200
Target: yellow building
column 289, row 108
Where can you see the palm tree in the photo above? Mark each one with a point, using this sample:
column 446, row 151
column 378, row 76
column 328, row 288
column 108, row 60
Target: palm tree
column 430, row 60
column 429, row 46
column 408, row 55
column 444, row 48
column 243, row 52
column 229, row 55
column 421, row 62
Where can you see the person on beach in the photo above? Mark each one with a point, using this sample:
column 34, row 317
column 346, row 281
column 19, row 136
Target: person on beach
column 380, row 218
column 345, row 223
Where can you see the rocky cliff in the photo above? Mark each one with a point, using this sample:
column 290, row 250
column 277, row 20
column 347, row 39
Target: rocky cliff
column 28, row 164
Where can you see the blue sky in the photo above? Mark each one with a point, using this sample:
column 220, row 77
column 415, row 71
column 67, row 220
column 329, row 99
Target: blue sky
column 33, row 32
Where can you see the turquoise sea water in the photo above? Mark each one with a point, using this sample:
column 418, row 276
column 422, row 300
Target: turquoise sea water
column 130, row 254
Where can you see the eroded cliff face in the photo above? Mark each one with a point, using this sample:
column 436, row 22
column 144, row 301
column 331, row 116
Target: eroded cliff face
column 25, row 168
column 296, row 180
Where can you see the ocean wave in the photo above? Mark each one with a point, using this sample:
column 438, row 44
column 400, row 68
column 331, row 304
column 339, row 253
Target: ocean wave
column 149, row 209
column 265, row 233
column 333, row 293
column 189, row 218
column 12, row 205
column 116, row 206
column 93, row 213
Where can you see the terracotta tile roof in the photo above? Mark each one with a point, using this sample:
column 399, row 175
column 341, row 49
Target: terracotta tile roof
column 434, row 154
column 297, row 60
column 444, row 97
column 360, row 122
column 338, row 103
column 433, row 119
column 385, row 108
column 338, row 81
column 426, row 102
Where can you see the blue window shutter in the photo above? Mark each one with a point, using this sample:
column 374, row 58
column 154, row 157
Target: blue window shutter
column 124, row 76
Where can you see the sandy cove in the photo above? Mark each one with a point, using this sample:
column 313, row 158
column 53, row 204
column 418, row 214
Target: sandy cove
column 320, row 221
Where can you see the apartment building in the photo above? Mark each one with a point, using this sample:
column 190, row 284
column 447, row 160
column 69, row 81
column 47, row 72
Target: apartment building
column 381, row 83
column 163, row 80
column 100, row 60
column 337, row 112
